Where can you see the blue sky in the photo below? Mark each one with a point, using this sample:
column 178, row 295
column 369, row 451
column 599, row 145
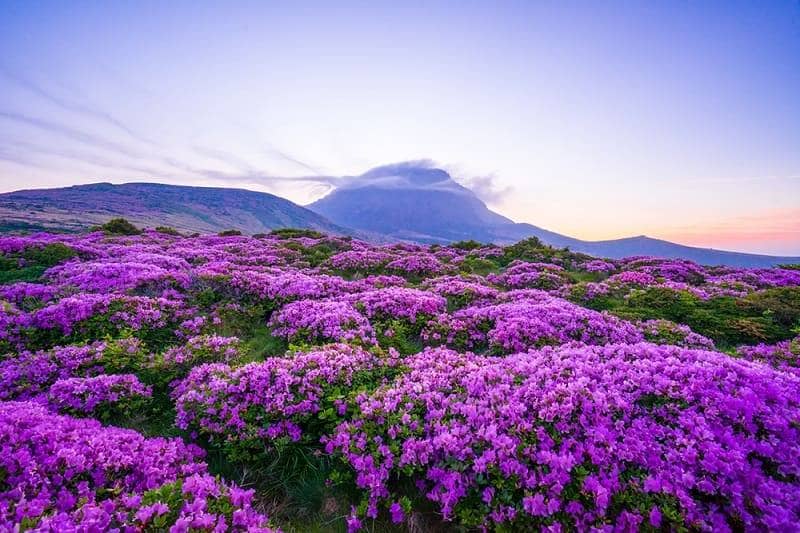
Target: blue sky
column 595, row 119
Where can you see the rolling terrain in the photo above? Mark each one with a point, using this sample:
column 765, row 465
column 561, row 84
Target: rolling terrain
column 415, row 202
column 402, row 202
column 191, row 209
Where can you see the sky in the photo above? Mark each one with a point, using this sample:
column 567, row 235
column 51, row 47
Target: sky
column 678, row 120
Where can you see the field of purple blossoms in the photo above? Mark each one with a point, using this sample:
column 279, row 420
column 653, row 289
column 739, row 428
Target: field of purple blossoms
column 302, row 382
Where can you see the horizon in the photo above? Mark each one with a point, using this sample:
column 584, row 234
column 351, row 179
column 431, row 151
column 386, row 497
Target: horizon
column 307, row 206
column 677, row 122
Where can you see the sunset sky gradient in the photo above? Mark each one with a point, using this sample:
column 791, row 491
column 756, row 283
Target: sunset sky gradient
column 598, row 120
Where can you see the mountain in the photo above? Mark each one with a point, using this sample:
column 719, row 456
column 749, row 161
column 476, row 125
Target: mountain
column 414, row 201
column 411, row 203
column 193, row 209
column 407, row 201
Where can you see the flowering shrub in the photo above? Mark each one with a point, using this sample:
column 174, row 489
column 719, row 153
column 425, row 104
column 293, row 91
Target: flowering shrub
column 523, row 324
column 627, row 435
column 295, row 398
column 30, row 374
column 22, row 293
column 642, row 279
column 598, row 265
column 522, row 275
column 561, row 416
column 64, row 474
column 312, row 321
column 178, row 360
column 421, row 264
column 199, row 502
column 286, row 286
column 107, row 277
column 666, row 332
column 102, row 395
column 359, row 260
column 459, row 291
column 784, row 355
column 397, row 302
column 88, row 316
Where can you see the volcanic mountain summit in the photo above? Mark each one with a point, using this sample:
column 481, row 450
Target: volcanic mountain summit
column 416, row 201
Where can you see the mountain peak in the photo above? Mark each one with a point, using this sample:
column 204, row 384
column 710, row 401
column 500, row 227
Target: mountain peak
column 407, row 175
column 415, row 200
column 412, row 200
column 421, row 172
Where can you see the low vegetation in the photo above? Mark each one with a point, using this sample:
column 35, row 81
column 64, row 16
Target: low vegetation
column 298, row 381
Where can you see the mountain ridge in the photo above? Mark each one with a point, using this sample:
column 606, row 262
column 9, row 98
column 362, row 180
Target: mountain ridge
column 400, row 200
column 186, row 208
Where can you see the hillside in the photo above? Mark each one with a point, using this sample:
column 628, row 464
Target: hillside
column 329, row 372
column 407, row 201
column 193, row 209
column 416, row 202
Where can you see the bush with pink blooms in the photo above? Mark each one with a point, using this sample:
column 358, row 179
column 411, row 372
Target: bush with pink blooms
column 66, row 474
column 581, row 437
column 147, row 376
column 104, row 396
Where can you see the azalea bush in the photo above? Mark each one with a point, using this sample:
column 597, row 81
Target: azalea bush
column 103, row 396
column 630, row 435
column 277, row 401
column 349, row 385
column 114, row 478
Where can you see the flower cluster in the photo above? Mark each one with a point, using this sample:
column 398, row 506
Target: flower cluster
column 784, row 355
column 325, row 320
column 108, row 277
column 523, row 324
column 583, row 436
column 462, row 290
column 524, row 275
column 200, row 349
column 88, row 396
column 662, row 331
column 280, row 397
column 30, row 374
column 397, row 302
column 421, row 264
column 68, row 474
column 598, row 265
column 360, row 260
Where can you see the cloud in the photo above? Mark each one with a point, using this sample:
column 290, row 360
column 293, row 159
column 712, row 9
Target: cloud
column 291, row 159
column 69, row 133
column 71, row 106
column 84, row 157
column 486, row 188
column 224, row 157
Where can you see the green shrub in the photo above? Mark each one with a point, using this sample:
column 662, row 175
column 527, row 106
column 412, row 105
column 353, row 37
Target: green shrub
column 293, row 233
column 467, row 245
column 120, row 226
column 168, row 230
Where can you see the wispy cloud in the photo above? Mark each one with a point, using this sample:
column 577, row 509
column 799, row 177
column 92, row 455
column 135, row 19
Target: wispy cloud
column 228, row 159
column 69, row 133
column 78, row 108
column 85, row 157
column 486, row 188
column 291, row 159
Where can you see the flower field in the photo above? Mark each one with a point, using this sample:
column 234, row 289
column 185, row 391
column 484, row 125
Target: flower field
column 302, row 382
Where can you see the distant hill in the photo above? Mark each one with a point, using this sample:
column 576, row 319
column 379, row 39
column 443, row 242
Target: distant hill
column 193, row 209
column 407, row 201
column 416, row 202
